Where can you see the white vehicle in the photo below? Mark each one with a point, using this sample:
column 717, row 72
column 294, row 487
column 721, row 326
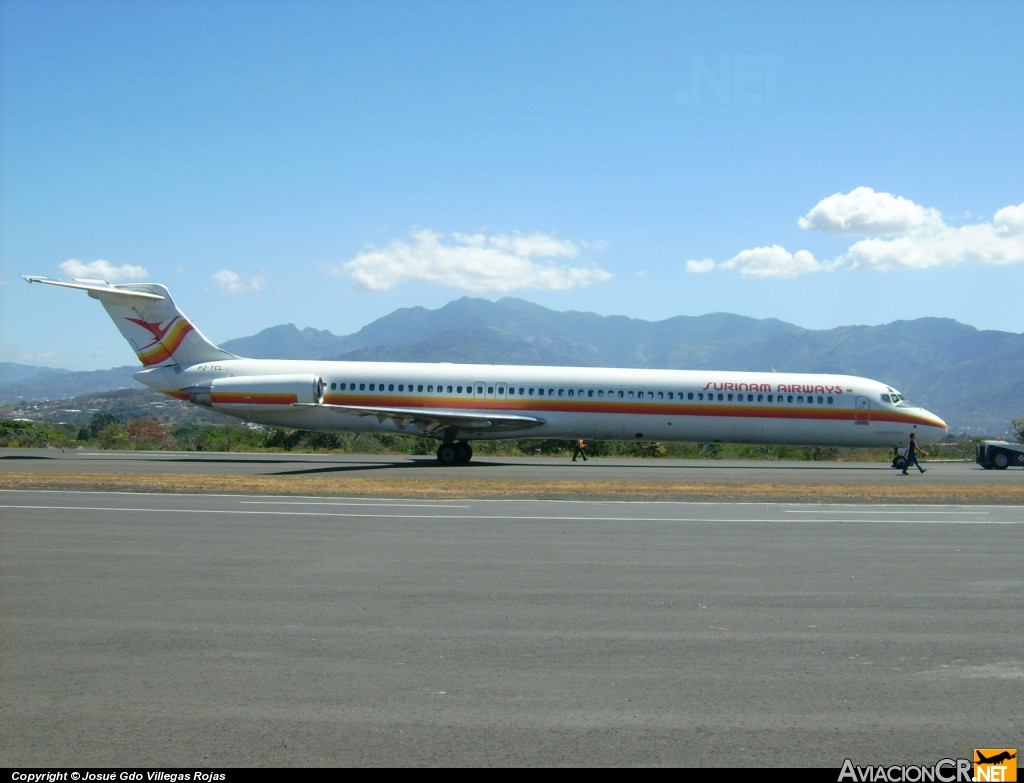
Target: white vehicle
column 999, row 454
column 455, row 403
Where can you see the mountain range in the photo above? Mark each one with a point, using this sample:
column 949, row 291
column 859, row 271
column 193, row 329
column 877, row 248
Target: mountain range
column 974, row 379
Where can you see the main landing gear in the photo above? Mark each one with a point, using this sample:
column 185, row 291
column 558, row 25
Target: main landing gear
column 457, row 453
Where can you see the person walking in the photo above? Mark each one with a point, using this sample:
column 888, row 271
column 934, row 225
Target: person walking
column 581, row 450
column 912, row 451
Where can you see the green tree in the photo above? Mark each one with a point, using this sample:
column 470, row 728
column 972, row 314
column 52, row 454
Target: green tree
column 21, row 434
column 188, row 437
column 113, row 436
column 97, row 423
column 1018, row 426
column 224, row 438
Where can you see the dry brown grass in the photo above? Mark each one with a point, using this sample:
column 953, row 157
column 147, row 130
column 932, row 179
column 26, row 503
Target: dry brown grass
column 916, row 492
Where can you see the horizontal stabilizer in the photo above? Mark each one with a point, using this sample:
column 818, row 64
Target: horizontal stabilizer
column 94, row 287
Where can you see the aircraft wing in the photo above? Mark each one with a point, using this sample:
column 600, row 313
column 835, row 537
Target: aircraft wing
column 432, row 421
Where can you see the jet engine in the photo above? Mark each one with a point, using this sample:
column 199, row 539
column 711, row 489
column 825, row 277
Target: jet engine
column 258, row 392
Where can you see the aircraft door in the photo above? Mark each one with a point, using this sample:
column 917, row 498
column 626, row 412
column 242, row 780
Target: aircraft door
column 862, row 410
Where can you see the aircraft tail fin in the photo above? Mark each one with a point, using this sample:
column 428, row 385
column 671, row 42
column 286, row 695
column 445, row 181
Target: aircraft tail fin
column 148, row 319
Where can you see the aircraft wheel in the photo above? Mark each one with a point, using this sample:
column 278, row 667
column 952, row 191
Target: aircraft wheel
column 465, row 452
column 899, row 463
column 448, row 454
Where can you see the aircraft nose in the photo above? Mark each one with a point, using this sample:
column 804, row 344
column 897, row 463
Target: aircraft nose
column 935, row 426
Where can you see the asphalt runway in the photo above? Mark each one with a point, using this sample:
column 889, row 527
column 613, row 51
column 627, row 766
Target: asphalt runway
column 482, row 467
column 181, row 630
column 525, row 469
column 421, row 477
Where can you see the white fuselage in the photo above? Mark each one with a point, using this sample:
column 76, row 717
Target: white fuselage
column 562, row 402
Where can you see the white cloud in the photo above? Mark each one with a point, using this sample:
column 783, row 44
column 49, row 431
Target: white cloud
column 471, row 262
column 233, row 283
column 520, row 245
column 998, row 243
column 102, row 270
column 774, row 261
column 899, row 235
column 700, row 266
column 1010, row 219
column 36, row 358
column 865, row 212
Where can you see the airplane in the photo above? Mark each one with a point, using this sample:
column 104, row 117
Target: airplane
column 999, row 758
column 457, row 403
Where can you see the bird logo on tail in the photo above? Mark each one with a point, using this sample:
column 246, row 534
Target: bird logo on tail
column 166, row 339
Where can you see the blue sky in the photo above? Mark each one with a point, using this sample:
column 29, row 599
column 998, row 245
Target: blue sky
column 325, row 163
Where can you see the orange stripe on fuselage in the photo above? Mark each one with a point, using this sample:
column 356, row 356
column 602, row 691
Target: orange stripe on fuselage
column 534, row 405
column 240, row 398
column 809, row 413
